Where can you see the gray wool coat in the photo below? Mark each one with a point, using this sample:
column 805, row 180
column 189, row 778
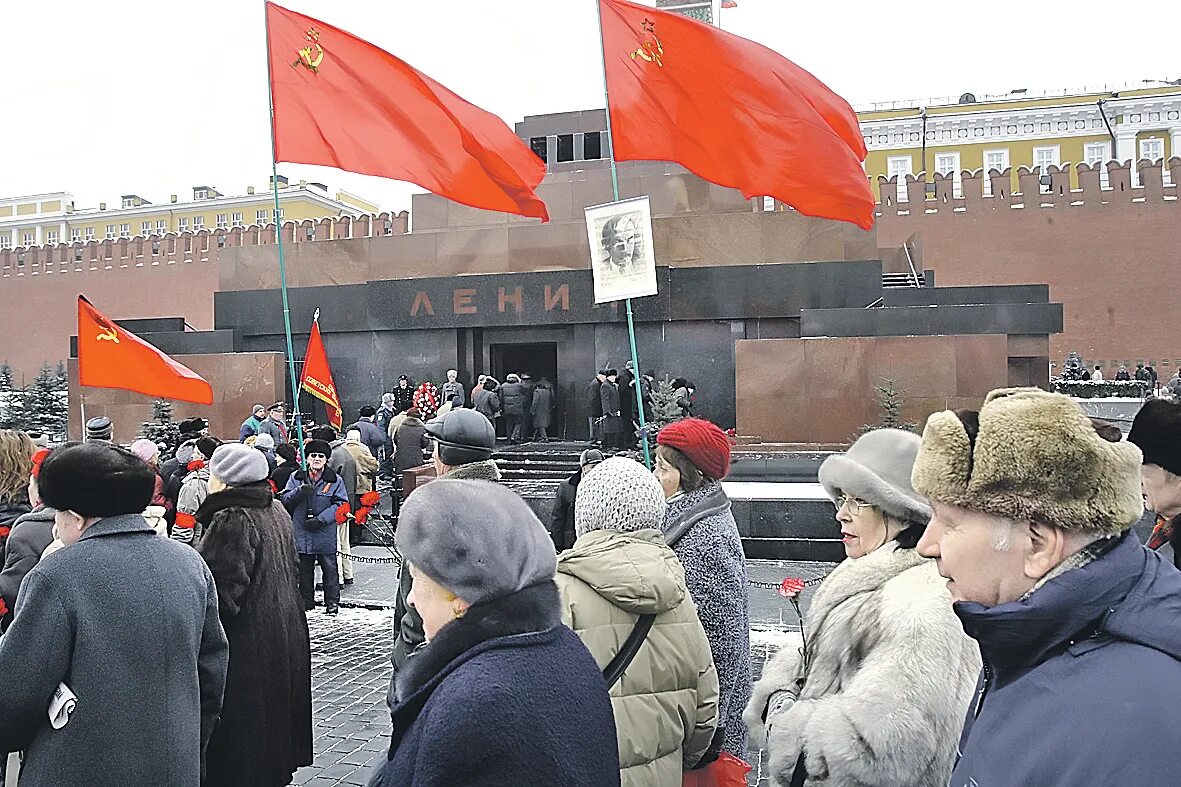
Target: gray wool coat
column 128, row 620
column 701, row 530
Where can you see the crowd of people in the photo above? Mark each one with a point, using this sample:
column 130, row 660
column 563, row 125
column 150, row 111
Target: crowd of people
column 996, row 620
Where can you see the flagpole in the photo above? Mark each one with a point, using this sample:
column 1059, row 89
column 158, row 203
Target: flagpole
column 631, row 325
column 279, row 243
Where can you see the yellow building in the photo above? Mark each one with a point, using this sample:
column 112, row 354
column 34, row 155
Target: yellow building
column 1016, row 129
column 48, row 219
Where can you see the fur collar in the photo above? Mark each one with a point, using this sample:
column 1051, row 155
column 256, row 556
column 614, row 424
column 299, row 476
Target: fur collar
column 855, row 577
column 247, row 496
column 328, row 476
column 485, row 470
column 532, row 609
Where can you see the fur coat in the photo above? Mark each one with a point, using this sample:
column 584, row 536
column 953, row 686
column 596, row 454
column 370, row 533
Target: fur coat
column 265, row 732
column 890, row 677
column 505, row 696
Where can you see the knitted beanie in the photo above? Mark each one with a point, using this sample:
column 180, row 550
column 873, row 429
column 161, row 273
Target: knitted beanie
column 264, row 440
column 1036, row 457
column 876, row 470
column 238, row 464
column 702, row 442
column 618, row 494
column 1157, row 432
column 145, row 449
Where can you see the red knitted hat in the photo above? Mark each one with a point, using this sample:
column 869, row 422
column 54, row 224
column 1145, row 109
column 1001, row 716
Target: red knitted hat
column 704, row 443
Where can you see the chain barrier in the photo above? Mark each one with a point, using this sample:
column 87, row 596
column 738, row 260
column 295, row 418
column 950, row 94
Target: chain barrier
column 777, row 585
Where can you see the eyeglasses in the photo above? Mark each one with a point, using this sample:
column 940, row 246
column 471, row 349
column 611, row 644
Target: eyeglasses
column 853, row 504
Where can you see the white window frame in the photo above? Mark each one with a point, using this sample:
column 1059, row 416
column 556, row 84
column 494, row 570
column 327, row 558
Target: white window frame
column 1004, row 155
column 89, row 234
column 951, row 161
column 1055, row 160
column 124, row 230
column 279, row 215
column 199, row 194
column 5, row 241
column 237, row 219
column 198, row 223
column 222, row 222
column 27, row 239
column 892, row 170
column 110, row 232
column 1097, row 154
column 50, row 237
column 262, row 216
column 129, row 202
column 1159, row 143
column 161, row 226
column 75, row 235
column 145, row 228
column 182, row 224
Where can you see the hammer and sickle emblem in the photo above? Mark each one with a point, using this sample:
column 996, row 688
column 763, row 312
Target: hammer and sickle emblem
column 651, row 51
column 108, row 334
column 306, row 57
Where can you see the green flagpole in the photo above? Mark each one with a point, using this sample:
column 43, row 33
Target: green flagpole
column 279, row 243
column 631, row 325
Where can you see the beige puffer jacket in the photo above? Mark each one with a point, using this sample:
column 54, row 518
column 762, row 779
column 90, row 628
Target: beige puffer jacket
column 666, row 703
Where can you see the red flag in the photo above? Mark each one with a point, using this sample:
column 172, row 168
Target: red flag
column 342, row 102
column 111, row 357
column 317, row 377
column 732, row 111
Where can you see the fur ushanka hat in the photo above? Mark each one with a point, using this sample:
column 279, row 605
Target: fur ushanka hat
column 876, row 470
column 1036, row 457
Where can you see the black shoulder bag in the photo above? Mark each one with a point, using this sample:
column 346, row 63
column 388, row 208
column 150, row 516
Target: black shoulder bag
column 631, row 646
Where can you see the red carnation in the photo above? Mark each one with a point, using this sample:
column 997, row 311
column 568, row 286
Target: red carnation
column 371, row 499
column 342, row 513
column 362, row 516
column 4, row 531
column 791, row 587
column 3, row 608
column 196, row 464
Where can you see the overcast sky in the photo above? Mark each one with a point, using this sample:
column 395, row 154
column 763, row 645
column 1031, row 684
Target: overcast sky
column 152, row 97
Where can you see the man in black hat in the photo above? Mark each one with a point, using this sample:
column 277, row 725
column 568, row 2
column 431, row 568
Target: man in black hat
column 1157, row 433
column 127, row 620
column 561, row 524
column 275, row 423
column 464, row 442
column 315, row 497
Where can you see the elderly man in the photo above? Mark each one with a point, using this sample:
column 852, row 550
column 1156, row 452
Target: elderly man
column 1157, row 433
column 1078, row 624
column 275, row 424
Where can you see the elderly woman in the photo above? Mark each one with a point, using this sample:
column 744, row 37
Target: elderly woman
column 501, row 693
column 878, row 694
column 620, row 575
column 692, row 456
column 265, row 732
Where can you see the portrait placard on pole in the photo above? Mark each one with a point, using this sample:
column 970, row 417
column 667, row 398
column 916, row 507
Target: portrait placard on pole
column 622, row 258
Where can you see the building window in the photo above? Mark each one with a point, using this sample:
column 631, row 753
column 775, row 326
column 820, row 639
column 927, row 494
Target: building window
column 5, row 241
column 124, row 230
column 51, row 237
column 182, row 224
column 994, row 159
column 540, row 147
column 200, row 194
column 565, row 147
column 75, row 235
column 89, row 234
column 237, row 219
column 1096, row 154
column 110, row 231
column 949, row 164
column 129, row 202
column 1044, row 157
column 161, row 226
column 1153, row 149
column 262, row 216
column 278, row 214
column 28, row 240
column 145, row 228
column 198, row 223
column 900, row 166
column 592, row 146
column 222, row 222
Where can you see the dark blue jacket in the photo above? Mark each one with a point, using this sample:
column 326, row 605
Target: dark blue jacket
column 1082, row 680
column 505, row 696
column 315, row 520
column 371, row 435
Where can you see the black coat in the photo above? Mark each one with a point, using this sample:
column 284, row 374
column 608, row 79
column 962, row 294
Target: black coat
column 627, row 394
column 505, row 696
column 265, row 732
column 594, row 404
column 512, row 398
column 561, row 519
column 543, row 406
column 403, row 399
column 410, row 439
column 10, row 511
column 281, row 473
column 31, row 533
column 609, row 394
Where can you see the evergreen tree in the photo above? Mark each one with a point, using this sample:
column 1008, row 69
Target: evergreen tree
column 161, row 430
column 890, row 399
column 665, row 409
column 44, row 404
column 5, row 377
column 6, row 395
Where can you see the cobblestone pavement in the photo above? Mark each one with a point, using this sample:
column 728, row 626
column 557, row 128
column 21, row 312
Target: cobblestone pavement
column 351, row 669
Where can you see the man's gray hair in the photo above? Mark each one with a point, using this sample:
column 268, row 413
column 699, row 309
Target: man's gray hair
column 1002, row 533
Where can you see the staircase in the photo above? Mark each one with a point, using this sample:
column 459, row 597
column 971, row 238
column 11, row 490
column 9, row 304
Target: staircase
column 904, row 279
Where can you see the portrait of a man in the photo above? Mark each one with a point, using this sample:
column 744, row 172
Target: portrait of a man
column 622, row 240
column 621, row 251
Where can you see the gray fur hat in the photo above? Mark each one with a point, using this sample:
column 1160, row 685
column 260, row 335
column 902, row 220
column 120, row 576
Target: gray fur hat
column 619, row 494
column 876, row 469
column 478, row 539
